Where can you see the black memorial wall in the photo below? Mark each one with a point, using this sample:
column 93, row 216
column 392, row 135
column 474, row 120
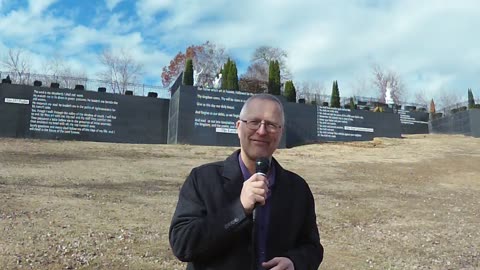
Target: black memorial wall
column 475, row 122
column 463, row 122
column 208, row 116
column 309, row 124
column 192, row 116
column 66, row 114
column 413, row 122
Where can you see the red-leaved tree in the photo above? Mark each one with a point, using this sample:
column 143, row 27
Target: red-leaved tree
column 177, row 65
column 207, row 58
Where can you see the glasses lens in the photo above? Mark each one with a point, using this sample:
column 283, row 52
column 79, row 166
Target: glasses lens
column 254, row 125
column 271, row 128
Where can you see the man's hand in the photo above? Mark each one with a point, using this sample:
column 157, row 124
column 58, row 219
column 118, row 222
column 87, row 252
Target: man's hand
column 279, row 263
column 254, row 191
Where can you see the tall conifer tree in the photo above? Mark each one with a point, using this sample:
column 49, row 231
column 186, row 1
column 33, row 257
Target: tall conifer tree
column 290, row 91
column 225, row 74
column 278, row 84
column 233, row 76
column 335, row 97
column 471, row 99
column 271, row 80
column 188, row 73
column 274, row 84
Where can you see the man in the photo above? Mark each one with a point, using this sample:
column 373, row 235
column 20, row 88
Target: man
column 214, row 219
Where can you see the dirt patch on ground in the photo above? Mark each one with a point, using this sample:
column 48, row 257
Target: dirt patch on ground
column 408, row 203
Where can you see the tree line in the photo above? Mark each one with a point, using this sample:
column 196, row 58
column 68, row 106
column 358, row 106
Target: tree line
column 120, row 70
column 261, row 75
column 266, row 72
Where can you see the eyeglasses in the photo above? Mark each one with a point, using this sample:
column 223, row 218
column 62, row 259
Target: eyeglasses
column 255, row 125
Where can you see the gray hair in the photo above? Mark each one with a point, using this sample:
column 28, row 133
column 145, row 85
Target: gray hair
column 264, row 96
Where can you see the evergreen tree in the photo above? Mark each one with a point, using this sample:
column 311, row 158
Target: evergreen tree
column 335, row 98
column 352, row 104
column 229, row 75
column 225, row 74
column 188, row 73
column 233, row 77
column 290, row 92
column 278, row 84
column 271, row 82
column 471, row 100
column 274, row 84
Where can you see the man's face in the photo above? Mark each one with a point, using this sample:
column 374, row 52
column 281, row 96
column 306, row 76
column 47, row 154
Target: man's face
column 260, row 142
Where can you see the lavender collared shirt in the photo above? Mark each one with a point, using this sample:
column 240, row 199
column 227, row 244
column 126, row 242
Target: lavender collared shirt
column 263, row 211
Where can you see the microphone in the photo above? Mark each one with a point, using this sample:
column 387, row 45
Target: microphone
column 262, row 165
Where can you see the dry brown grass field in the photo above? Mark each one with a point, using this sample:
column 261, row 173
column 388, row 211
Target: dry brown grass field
column 411, row 203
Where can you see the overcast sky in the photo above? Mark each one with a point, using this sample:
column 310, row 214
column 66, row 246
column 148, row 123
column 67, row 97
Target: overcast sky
column 432, row 44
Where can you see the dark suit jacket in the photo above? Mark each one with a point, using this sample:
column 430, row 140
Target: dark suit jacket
column 211, row 231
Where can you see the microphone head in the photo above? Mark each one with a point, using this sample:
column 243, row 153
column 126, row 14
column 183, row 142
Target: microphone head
column 262, row 165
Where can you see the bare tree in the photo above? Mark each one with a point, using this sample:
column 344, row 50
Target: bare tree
column 121, row 70
column 255, row 80
column 360, row 87
column 17, row 63
column 71, row 78
column 264, row 54
column 421, row 97
column 312, row 91
column 446, row 99
column 381, row 79
column 57, row 70
column 54, row 67
column 209, row 60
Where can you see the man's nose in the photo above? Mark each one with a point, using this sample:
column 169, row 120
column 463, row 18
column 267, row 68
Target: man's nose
column 262, row 129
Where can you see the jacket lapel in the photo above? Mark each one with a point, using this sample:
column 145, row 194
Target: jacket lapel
column 232, row 175
column 279, row 205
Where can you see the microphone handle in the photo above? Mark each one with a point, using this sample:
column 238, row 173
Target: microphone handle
column 255, row 263
column 254, row 213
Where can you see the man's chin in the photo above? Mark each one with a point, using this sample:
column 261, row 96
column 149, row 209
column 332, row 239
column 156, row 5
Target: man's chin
column 261, row 152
